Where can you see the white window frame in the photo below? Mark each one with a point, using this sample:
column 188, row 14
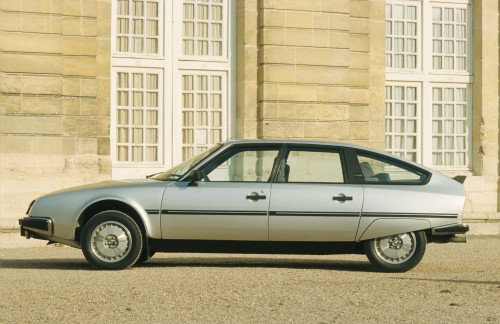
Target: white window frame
column 123, row 169
column 179, row 127
column 468, row 133
column 229, row 16
column 427, row 77
column 173, row 65
column 418, row 133
column 163, row 16
column 457, row 4
column 218, row 65
column 418, row 52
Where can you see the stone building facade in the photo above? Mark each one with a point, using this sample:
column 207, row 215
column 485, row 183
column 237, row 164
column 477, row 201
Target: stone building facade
column 98, row 89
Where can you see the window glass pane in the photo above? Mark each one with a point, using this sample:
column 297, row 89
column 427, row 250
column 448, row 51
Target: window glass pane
column 382, row 171
column 311, row 166
column 253, row 165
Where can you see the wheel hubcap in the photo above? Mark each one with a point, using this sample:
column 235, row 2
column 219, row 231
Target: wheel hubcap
column 396, row 248
column 111, row 241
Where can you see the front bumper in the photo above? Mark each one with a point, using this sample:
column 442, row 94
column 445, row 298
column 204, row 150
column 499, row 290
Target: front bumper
column 39, row 225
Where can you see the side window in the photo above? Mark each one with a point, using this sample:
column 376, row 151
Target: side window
column 251, row 165
column 382, row 171
column 312, row 167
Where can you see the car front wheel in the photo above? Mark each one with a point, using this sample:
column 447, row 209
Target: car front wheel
column 111, row 240
column 396, row 253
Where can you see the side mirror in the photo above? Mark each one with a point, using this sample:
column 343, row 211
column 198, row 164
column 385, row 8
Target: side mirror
column 194, row 177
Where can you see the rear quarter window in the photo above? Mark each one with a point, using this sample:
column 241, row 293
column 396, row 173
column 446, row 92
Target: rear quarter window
column 380, row 170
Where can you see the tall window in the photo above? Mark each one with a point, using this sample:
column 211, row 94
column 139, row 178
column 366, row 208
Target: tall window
column 202, row 112
column 402, row 120
column 138, row 26
column 203, row 25
column 428, row 81
column 402, row 29
column 171, row 81
column 449, row 126
column 449, row 38
column 137, row 116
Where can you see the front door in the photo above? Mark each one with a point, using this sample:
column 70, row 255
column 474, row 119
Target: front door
column 231, row 201
column 310, row 200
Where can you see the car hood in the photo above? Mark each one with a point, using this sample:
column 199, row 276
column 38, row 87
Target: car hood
column 112, row 184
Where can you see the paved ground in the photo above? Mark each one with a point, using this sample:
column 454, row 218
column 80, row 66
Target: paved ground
column 453, row 283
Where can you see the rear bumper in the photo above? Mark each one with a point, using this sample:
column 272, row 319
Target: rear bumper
column 39, row 225
column 447, row 233
column 451, row 229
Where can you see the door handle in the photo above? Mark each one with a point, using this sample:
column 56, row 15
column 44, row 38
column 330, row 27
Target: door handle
column 254, row 196
column 341, row 197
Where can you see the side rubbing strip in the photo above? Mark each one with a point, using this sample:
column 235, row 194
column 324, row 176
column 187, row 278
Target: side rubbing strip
column 316, row 214
column 213, row 212
column 413, row 215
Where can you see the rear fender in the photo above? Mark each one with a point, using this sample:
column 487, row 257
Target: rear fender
column 389, row 226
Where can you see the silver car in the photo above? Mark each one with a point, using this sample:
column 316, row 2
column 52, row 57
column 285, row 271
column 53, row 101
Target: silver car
column 259, row 196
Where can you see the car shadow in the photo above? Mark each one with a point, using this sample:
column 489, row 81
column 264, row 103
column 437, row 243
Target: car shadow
column 259, row 262
column 457, row 281
column 201, row 262
column 49, row 264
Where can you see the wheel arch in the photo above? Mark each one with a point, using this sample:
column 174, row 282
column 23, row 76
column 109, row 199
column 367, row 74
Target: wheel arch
column 389, row 226
column 108, row 204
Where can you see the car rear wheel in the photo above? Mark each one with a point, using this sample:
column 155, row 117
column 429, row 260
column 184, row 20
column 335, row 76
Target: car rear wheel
column 396, row 253
column 111, row 240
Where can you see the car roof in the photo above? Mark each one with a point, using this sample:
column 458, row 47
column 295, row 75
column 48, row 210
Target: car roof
column 300, row 142
column 323, row 143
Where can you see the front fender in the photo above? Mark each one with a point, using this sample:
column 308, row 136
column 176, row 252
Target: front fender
column 150, row 218
column 389, row 226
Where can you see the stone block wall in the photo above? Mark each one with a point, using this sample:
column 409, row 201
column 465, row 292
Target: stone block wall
column 54, row 83
column 315, row 70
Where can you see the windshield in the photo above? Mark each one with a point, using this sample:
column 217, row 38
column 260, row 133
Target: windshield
column 180, row 170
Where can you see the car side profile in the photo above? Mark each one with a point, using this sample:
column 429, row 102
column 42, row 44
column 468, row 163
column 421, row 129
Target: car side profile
column 260, row 196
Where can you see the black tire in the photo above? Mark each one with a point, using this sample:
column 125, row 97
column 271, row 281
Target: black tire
column 119, row 249
column 396, row 253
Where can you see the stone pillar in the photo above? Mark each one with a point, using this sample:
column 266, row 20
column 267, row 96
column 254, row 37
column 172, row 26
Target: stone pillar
column 483, row 187
column 247, row 105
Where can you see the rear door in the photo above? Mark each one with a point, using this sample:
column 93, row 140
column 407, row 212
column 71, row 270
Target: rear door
column 311, row 200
